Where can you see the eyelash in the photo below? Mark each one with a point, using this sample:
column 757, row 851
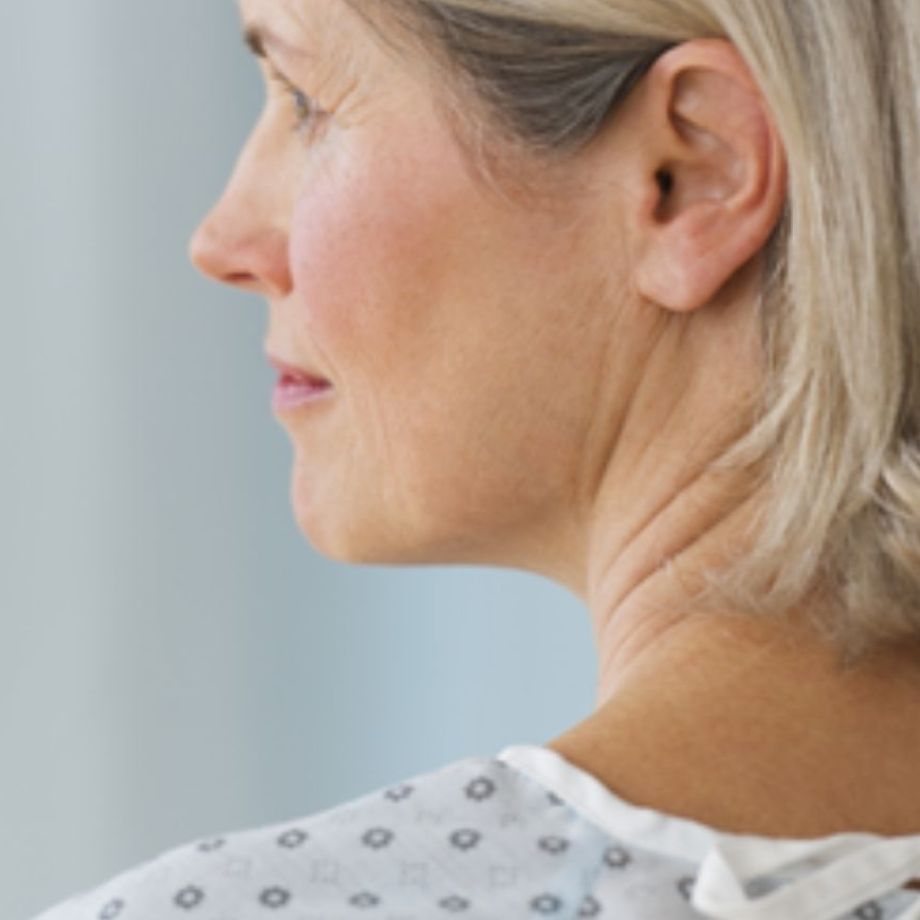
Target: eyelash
column 307, row 113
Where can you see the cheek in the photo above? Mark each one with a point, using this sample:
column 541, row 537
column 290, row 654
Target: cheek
column 422, row 301
column 372, row 255
column 361, row 258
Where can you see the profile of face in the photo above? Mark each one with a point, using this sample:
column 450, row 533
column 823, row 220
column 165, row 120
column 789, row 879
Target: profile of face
column 462, row 341
column 494, row 358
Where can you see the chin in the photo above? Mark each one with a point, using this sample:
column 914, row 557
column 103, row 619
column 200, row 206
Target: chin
column 348, row 526
column 358, row 542
column 366, row 544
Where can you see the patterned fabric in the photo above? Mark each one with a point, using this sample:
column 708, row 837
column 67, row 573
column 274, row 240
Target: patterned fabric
column 524, row 834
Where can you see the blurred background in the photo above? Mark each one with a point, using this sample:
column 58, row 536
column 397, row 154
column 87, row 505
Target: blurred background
column 175, row 660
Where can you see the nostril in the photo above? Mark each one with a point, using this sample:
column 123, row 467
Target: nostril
column 239, row 278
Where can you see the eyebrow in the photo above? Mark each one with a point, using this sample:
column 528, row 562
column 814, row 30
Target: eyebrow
column 258, row 38
column 254, row 39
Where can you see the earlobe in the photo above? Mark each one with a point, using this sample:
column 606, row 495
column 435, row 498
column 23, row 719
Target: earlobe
column 691, row 259
column 718, row 175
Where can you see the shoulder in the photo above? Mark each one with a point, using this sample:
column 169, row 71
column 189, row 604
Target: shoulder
column 406, row 841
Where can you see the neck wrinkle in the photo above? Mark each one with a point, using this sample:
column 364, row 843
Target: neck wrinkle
column 646, row 589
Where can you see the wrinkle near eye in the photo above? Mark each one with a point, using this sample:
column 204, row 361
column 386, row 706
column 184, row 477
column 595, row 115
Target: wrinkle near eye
column 335, row 41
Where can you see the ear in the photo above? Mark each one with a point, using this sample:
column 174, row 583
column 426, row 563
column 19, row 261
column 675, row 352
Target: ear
column 712, row 170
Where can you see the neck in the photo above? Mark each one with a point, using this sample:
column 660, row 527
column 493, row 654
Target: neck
column 749, row 726
column 634, row 593
column 752, row 727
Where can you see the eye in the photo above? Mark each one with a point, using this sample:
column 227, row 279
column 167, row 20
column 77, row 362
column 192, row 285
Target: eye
column 306, row 110
column 307, row 114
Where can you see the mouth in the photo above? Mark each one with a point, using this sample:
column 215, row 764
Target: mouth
column 292, row 374
column 287, row 379
column 297, row 386
column 295, row 391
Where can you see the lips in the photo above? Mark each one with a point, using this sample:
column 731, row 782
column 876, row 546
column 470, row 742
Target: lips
column 294, row 375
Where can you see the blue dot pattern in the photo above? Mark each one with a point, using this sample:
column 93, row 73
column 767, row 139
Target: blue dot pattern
column 475, row 839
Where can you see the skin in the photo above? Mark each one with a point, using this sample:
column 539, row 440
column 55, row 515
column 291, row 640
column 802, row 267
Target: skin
column 542, row 386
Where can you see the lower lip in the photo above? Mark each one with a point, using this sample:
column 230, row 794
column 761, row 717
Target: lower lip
column 289, row 396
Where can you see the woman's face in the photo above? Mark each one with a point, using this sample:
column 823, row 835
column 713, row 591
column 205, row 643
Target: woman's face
column 461, row 333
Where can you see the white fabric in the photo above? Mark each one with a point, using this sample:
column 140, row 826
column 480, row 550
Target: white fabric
column 855, row 867
column 519, row 835
column 848, row 870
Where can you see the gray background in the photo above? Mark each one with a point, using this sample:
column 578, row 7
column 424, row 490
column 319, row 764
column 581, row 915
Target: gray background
column 175, row 659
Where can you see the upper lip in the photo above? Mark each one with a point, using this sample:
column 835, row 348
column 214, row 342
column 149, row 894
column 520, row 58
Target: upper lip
column 292, row 370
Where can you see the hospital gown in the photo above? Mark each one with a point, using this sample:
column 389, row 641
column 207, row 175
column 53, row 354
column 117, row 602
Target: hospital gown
column 522, row 834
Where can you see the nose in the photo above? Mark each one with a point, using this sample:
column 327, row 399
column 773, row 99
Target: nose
column 227, row 248
column 243, row 241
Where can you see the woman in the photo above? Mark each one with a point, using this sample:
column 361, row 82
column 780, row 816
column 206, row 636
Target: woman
column 625, row 293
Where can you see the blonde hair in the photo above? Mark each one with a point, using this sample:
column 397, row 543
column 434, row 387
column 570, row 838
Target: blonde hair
column 837, row 432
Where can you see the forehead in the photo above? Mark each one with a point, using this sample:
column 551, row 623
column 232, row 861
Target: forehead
column 312, row 26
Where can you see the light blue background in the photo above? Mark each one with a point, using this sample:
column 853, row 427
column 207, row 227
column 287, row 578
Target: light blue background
column 175, row 659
